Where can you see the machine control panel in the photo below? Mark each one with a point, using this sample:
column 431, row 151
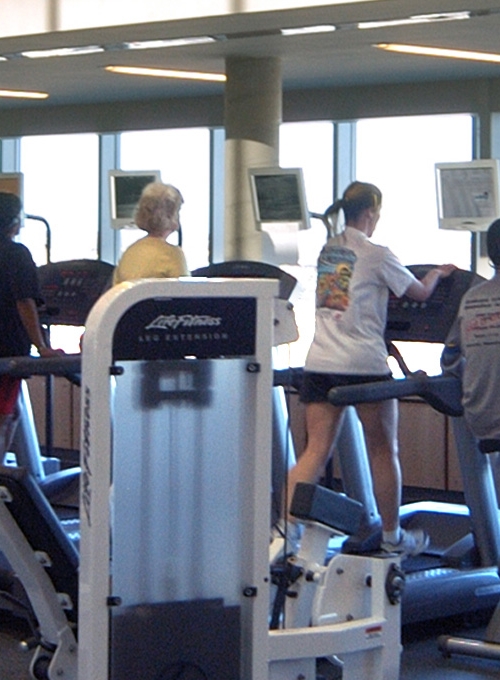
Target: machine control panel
column 71, row 288
column 428, row 321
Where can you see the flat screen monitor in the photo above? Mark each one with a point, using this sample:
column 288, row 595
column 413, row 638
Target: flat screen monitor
column 125, row 190
column 279, row 197
column 12, row 183
column 468, row 194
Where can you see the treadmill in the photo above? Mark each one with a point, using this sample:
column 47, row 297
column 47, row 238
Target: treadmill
column 458, row 573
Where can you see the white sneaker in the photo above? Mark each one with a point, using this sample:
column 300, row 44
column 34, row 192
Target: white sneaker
column 411, row 542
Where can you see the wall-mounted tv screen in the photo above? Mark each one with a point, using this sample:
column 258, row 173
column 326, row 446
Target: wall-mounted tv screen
column 278, row 196
column 468, row 194
column 125, row 190
column 12, row 183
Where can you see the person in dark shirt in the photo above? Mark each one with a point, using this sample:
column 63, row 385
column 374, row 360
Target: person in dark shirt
column 19, row 323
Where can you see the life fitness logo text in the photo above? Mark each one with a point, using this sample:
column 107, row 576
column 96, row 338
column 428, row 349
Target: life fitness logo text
column 183, row 328
column 175, row 321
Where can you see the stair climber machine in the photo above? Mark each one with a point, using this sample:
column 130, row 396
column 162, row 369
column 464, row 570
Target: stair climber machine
column 175, row 511
column 69, row 289
column 355, row 473
column 458, row 573
column 489, row 646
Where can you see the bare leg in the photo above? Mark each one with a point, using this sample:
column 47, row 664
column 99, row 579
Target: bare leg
column 380, row 422
column 322, row 420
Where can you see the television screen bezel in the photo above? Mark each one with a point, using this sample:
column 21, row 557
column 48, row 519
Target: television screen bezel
column 468, row 222
column 126, row 222
column 303, row 222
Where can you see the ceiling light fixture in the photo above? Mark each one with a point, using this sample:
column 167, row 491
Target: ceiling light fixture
column 306, row 30
column 63, row 52
column 171, row 42
column 440, row 52
column 166, row 73
column 416, row 19
column 20, row 94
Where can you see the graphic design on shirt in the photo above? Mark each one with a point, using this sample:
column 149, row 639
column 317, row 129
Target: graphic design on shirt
column 335, row 270
column 484, row 327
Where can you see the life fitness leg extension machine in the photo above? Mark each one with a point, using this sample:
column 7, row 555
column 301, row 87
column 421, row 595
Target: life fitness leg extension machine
column 185, row 569
column 175, row 506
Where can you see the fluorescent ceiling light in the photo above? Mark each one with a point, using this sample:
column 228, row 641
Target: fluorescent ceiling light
column 172, row 42
column 416, row 19
column 440, row 52
column 166, row 73
column 63, row 52
column 305, row 30
column 19, row 94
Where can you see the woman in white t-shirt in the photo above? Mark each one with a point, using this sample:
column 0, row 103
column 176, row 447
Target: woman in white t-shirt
column 355, row 277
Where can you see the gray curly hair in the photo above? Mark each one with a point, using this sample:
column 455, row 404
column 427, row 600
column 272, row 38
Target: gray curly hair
column 158, row 208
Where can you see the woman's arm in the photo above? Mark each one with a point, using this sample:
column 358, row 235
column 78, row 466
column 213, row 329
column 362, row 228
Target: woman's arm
column 29, row 316
column 423, row 289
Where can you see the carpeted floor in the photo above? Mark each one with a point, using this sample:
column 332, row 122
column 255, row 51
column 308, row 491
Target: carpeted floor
column 421, row 659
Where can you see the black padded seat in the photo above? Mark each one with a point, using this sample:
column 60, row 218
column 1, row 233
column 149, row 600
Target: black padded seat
column 236, row 269
column 489, row 445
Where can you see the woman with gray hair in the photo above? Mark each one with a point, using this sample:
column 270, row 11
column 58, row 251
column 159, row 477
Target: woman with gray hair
column 157, row 214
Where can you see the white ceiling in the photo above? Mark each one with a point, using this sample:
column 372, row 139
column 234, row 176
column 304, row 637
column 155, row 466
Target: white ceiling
column 341, row 58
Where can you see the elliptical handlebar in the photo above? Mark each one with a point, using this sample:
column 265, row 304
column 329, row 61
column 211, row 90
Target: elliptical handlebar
column 23, row 367
column 443, row 393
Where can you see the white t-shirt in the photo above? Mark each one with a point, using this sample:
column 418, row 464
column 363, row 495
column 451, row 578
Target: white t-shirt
column 354, row 279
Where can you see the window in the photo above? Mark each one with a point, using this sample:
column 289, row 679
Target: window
column 308, row 146
column 183, row 158
column 398, row 155
column 61, row 186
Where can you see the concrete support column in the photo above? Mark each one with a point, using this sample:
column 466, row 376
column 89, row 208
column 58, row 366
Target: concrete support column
column 252, row 117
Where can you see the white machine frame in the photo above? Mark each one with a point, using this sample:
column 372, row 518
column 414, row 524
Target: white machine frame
column 97, row 453
column 363, row 630
column 343, row 611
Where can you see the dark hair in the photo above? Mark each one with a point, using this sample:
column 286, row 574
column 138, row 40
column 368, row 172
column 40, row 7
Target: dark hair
column 10, row 208
column 493, row 242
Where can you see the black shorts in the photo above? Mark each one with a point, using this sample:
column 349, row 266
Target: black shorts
column 315, row 386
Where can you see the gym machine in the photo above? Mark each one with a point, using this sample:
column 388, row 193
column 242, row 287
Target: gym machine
column 459, row 571
column 355, row 469
column 69, row 290
column 489, row 646
column 45, row 563
column 175, row 508
column 175, row 513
